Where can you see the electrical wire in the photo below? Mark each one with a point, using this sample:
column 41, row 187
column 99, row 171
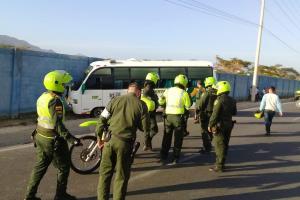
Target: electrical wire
column 278, row 21
column 286, row 14
column 209, row 10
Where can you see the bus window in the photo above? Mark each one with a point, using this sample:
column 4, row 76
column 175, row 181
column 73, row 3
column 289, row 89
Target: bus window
column 199, row 73
column 167, row 76
column 140, row 73
column 121, row 78
column 100, row 79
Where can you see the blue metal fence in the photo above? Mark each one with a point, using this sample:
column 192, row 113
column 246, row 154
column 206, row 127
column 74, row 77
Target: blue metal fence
column 22, row 72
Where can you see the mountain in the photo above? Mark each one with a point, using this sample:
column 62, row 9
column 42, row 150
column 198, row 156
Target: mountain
column 11, row 42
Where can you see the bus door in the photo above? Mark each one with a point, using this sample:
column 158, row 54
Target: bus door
column 92, row 95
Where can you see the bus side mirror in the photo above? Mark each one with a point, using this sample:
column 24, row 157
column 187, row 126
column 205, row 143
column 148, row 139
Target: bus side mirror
column 83, row 88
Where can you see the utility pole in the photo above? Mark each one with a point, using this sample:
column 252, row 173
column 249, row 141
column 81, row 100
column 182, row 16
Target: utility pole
column 261, row 21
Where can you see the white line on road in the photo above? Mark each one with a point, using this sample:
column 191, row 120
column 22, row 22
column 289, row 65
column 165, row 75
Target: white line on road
column 185, row 159
column 22, row 146
column 149, row 173
column 16, row 147
column 257, row 107
column 297, row 118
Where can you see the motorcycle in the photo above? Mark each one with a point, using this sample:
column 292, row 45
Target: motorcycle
column 86, row 158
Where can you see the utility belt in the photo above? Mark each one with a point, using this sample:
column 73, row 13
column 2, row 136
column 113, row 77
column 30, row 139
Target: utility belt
column 130, row 140
column 217, row 129
column 46, row 133
column 183, row 116
column 50, row 134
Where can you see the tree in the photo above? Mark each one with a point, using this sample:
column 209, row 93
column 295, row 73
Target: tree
column 233, row 65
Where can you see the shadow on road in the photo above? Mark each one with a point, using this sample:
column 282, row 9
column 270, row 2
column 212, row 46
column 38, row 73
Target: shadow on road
column 262, row 157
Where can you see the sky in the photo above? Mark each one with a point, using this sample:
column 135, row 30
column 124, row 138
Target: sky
column 158, row 29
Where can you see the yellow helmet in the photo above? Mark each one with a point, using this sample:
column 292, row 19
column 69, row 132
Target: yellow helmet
column 222, row 87
column 152, row 76
column 259, row 114
column 209, row 81
column 181, row 79
column 56, row 80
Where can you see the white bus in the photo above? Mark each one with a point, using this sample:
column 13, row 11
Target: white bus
column 108, row 78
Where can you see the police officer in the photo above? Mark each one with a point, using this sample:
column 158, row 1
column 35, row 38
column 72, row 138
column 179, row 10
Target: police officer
column 51, row 137
column 200, row 89
column 124, row 114
column 186, row 114
column 150, row 98
column 176, row 101
column 205, row 107
column 221, row 124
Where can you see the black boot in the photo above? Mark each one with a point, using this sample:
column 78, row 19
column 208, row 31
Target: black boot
column 32, row 198
column 64, row 196
column 268, row 130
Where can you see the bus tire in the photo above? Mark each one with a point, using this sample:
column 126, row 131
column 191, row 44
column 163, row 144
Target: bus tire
column 96, row 112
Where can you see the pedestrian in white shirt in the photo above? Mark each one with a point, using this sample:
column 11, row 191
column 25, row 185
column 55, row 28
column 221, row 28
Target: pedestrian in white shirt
column 270, row 104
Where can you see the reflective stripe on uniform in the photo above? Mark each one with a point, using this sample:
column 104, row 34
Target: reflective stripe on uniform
column 47, row 137
column 174, row 101
column 45, row 122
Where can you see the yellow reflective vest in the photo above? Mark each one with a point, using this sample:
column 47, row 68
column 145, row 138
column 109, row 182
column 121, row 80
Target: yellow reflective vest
column 177, row 100
column 150, row 103
column 47, row 117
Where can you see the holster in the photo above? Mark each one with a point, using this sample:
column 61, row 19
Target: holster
column 135, row 148
column 106, row 134
column 33, row 137
column 57, row 142
column 233, row 122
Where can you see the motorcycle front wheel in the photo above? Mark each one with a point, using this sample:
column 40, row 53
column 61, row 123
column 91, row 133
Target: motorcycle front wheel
column 85, row 158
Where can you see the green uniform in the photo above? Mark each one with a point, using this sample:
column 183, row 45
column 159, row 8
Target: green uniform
column 205, row 107
column 221, row 124
column 149, row 92
column 177, row 101
column 198, row 96
column 51, row 144
column 124, row 114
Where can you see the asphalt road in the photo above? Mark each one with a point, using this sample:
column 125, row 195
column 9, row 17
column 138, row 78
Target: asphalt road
column 258, row 167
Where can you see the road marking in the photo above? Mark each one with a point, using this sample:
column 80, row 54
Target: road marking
column 16, row 147
column 257, row 107
column 185, row 159
column 297, row 118
column 152, row 172
column 22, row 146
